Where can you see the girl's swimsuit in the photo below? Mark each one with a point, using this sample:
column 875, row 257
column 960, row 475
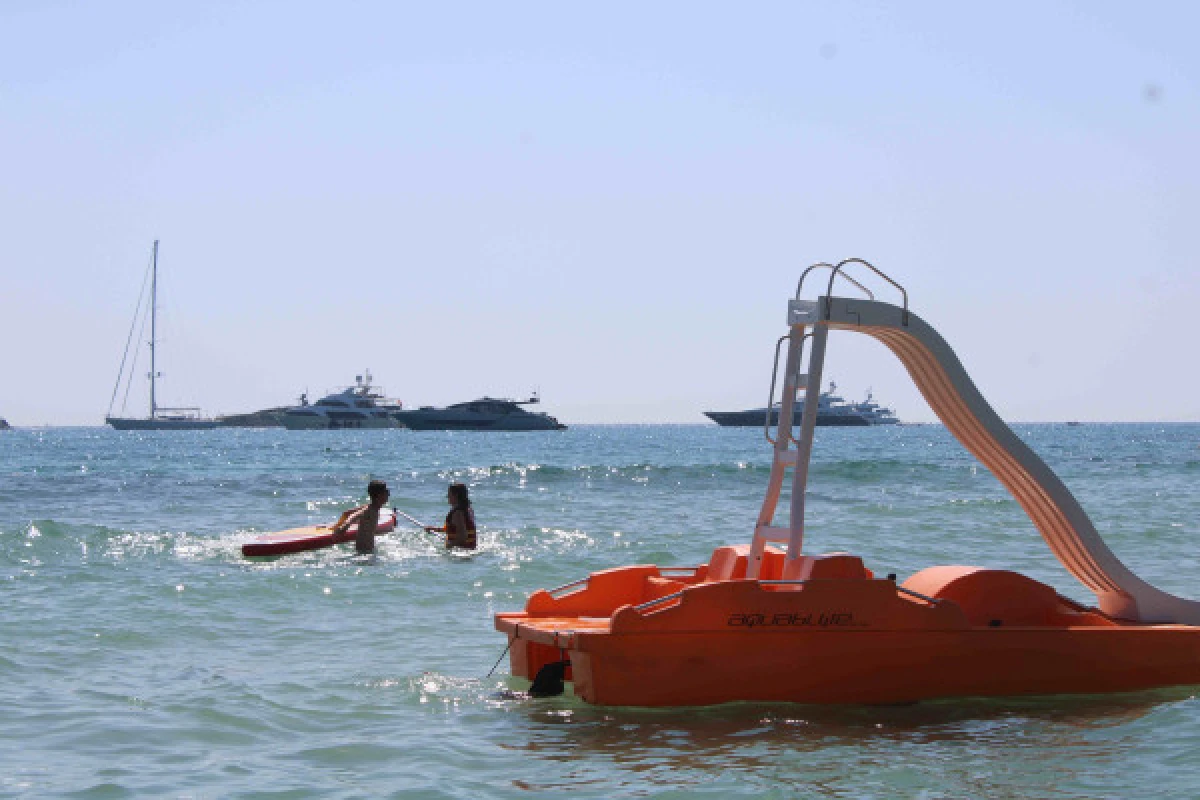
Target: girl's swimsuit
column 470, row 519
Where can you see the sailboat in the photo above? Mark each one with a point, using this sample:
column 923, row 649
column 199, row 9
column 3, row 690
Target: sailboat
column 162, row 418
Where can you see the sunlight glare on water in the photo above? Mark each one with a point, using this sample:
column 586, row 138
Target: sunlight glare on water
column 144, row 656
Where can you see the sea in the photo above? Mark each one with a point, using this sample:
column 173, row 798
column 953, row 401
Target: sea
column 142, row 656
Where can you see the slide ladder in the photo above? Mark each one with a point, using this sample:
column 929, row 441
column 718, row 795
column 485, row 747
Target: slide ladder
column 953, row 397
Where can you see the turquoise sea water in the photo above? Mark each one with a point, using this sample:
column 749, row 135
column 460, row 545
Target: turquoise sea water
column 142, row 656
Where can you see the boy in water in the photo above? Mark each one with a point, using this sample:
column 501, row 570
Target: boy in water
column 366, row 516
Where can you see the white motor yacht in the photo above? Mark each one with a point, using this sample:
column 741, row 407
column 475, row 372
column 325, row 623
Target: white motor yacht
column 357, row 406
column 875, row 413
column 832, row 410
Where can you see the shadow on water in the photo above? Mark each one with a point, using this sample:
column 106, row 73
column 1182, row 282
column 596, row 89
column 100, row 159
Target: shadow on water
column 1007, row 739
column 622, row 728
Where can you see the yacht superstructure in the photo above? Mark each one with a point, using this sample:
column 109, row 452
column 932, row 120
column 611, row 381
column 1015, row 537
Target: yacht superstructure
column 359, row 406
column 875, row 413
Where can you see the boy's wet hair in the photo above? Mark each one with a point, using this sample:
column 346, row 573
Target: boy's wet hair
column 376, row 487
column 461, row 498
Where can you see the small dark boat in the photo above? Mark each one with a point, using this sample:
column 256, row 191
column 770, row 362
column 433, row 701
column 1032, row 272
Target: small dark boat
column 484, row 414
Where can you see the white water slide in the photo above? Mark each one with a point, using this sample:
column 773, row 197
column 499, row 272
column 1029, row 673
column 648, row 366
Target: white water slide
column 952, row 395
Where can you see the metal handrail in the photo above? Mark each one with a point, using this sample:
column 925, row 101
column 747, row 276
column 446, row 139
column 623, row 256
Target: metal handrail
column 658, row 600
column 565, row 586
column 774, row 377
column 825, row 265
column 933, row 601
column 771, row 394
column 676, row 595
column 582, row 581
column 837, row 270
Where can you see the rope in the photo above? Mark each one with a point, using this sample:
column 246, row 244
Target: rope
column 133, row 324
column 516, row 633
column 133, row 365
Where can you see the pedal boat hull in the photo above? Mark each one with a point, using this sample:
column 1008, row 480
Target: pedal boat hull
column 645, row 636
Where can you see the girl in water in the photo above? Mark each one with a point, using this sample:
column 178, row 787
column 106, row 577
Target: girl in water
column 460, row 522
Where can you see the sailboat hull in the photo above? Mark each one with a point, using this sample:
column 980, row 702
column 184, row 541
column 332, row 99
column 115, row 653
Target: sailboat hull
column 160, row 424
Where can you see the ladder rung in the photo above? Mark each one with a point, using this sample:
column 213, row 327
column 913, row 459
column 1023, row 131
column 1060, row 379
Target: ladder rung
column 787, row 457
column 773, row 534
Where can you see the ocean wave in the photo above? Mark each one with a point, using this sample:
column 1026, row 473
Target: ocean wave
column 560, row 470
column 887, row 469
column 49, row 542
column 755, row 471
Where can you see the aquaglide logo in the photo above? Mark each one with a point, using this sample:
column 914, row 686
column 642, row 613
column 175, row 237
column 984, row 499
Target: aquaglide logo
column 802, row 619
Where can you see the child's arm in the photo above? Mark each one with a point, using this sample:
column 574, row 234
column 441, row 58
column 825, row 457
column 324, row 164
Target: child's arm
column 347, row 519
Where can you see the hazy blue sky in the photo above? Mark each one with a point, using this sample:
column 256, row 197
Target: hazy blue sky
column 611, row 203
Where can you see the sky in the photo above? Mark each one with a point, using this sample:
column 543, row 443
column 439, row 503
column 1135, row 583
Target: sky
column 608, row 203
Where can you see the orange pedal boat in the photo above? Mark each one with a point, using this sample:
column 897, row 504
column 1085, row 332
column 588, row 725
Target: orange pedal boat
column 764, row 622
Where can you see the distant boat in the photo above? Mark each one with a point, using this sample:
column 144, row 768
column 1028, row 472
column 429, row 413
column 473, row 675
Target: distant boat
column 484, row 414
column 875, row 413
column 357, row 406
column 832, row 411
column 161, row 418
column 266, row 418
column 4, row 426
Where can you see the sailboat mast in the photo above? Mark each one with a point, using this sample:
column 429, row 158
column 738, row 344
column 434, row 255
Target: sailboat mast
column 153, row 326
